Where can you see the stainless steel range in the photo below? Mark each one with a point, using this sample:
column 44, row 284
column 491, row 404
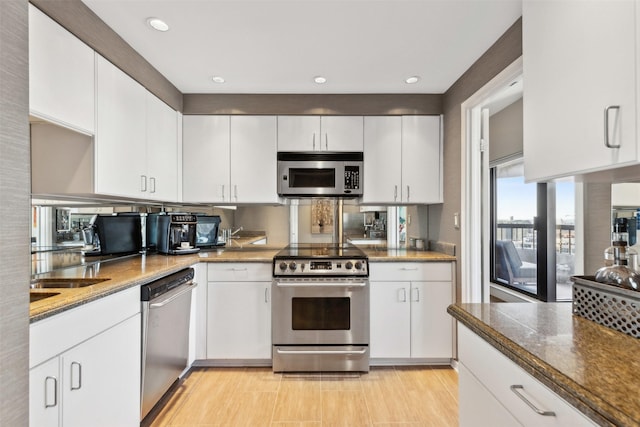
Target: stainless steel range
column 320, row 308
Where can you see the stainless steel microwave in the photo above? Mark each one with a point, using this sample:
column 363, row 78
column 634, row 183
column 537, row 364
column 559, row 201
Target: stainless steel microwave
column 328, row 174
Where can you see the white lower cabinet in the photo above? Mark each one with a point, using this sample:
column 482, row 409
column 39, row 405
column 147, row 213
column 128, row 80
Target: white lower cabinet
column 494, row 391
column 85, row 365
column 408, row 316
column 239, row 311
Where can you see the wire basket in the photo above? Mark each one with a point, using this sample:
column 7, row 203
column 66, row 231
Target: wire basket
column 607, row 305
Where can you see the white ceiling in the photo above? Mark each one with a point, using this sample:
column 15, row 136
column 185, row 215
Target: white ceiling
column 273, row 46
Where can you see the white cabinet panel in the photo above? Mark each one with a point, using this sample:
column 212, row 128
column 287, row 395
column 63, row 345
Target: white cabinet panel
column 239, row 320
column 382, row 159
column 431, row 326
column 61, row 75
column 403, row 160
column 320, row 133
column 121, row 132
column 161, row 151
column 342, row 133
column 579, row 60
column 205, row 159
column 253, row 159
column 101, row 375
column 45, row 394
column 390, row 319
column 421, row 159
column 298, row 133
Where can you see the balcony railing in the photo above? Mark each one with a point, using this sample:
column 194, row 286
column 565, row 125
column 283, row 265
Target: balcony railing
column 523, row 236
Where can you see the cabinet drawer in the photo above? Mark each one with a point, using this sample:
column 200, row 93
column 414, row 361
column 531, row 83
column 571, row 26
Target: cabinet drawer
column 239, row 272
column 407, row 271
column 498, row 374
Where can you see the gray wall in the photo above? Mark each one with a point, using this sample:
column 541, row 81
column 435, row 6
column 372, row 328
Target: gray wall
column 14, row 207
column 504, row 51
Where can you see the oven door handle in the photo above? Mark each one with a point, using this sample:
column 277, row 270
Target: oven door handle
column 321, row 352
column 321, row 284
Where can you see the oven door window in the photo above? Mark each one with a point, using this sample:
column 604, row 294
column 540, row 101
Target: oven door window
column 312, row 178
column 321, row 314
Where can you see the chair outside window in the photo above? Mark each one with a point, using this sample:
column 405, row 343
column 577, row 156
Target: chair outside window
column 510, row 269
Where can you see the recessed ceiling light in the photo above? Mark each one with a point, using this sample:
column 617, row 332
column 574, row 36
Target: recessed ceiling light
column 158, row 24
column 411, row 80
column 320, row 80
column 217, row 79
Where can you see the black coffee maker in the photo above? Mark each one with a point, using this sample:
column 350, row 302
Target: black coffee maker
column 172, row 233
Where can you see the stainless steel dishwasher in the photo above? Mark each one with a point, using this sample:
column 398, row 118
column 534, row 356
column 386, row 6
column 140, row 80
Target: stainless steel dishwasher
column 166, row 310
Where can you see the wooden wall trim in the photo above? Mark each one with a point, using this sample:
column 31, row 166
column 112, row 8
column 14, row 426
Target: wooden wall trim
column 321, row 104
column 78, row 19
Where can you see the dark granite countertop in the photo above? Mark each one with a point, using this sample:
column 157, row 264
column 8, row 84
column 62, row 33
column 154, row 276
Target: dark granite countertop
column 592, row 367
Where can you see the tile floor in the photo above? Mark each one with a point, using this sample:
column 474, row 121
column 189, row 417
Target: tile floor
column 389, row 396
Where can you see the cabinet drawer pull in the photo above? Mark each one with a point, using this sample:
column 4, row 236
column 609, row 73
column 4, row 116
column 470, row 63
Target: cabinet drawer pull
column 606, row 125
column 46, row 392
column 409, row 269
column 237, row 269
column 516, row 389
column 79, row 386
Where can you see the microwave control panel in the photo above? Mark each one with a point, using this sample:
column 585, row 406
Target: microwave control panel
column 351, row 177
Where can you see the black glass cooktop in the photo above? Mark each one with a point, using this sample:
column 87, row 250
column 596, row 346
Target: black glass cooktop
column 321, row 250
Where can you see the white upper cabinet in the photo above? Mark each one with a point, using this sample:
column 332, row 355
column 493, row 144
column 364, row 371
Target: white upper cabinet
column 205, row 159
column 136, row 139
column 253, row 159
column 320, row 133
column 121, row 132
column 162, row 150
column 382, row 159
column 403, row 160
column 229, row 160
column 61, row 75
column 580, row 86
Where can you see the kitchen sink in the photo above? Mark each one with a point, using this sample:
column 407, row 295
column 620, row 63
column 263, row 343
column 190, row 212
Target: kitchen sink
column 37, row 296
column 66, row 283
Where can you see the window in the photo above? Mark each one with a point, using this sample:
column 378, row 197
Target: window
column 532, row 227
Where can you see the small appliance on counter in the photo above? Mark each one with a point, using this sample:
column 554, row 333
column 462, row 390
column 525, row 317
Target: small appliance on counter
column 172, row 233
column 118, row 234
column 207, row 231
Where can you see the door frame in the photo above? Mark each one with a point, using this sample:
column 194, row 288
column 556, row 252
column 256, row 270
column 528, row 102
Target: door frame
column 474, row 226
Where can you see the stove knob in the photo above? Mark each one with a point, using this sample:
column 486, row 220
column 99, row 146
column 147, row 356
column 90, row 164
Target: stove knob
column 358, row 265
column 293, row 266
column 283, row 266
column 348, row 265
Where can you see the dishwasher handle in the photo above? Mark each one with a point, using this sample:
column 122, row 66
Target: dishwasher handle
column 187, row 288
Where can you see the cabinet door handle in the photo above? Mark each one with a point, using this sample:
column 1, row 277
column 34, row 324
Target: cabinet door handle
column 46, row 392
column 79, row 386
column 235, row 191
column 607, row 110
column 314, row 141
column 266, row 294
column 152, row 184
column 395, row 193
column 326, row 141
column 143, row 183
column 408, row 193
column 417, row 293
column 516, row 389
column 402, row 295
column 223, row 192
